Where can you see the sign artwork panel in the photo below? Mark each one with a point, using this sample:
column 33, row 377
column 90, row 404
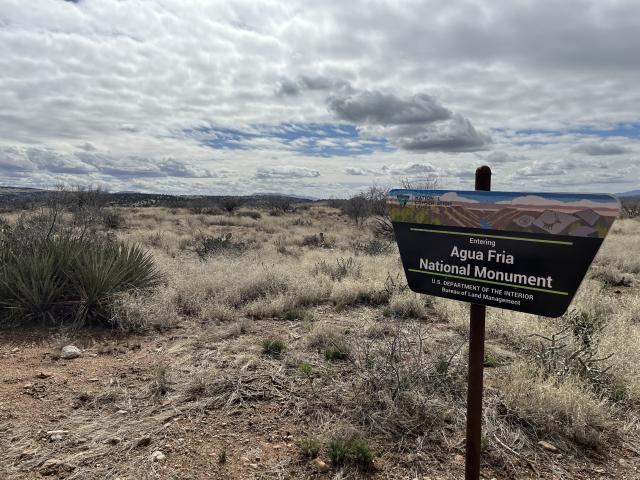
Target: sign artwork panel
column 520, row 251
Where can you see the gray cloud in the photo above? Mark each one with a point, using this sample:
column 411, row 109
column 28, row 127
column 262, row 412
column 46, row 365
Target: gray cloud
column 377, row 108
column 90, row 161
column 284, row 172
column 499, row 158
column 288, row 88
column 455, row 135
column 406, row 169
column 359, row 171
column 409, row 169
column 601, row 149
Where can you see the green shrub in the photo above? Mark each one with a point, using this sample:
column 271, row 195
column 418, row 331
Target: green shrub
column 490, row 361
column 310, row 447
column 361, row 453
column 222, row 456
column 57, row 279
column 338, row 450
column 273, row 346
column 337, row 351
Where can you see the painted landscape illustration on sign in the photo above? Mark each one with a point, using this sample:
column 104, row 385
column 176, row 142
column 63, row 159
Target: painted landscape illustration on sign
column 589, row 215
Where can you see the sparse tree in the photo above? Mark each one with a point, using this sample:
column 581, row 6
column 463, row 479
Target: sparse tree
column 280, row 203
column 231, row 204
column 357, row 208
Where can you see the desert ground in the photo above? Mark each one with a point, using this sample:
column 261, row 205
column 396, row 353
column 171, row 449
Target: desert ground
column 286, row 345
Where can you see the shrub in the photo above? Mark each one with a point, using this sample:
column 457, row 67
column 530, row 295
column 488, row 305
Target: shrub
column 230, row 204
column 222, row 456
column 338, row 450
column 296, row 314
column 62, row 279
column 249, row 213
column 337, row 351
column 273, row 346
column 112, row 219
column 207, row 246
column 342, row 268
column 160, row 383
column 310, row 447
column 373, row 247
column 361, row 453
column 317, row 241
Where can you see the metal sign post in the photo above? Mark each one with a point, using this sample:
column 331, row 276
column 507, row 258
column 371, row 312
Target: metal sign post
column 476, row 366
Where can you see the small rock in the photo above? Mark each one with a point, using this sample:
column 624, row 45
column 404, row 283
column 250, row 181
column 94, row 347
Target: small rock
column 57, row 432
column 27, row 386
column 121, row 412
column 55, row 438
column 157, row 456
column 43, row 375
column 320, row 466
column 548, row 446
column 143, row 442
column 70, row 351
column 459, row 458
column 15, row 350
column 253, row 465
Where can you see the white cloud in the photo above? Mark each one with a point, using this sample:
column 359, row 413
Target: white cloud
column 286, row 172
column 550, row 87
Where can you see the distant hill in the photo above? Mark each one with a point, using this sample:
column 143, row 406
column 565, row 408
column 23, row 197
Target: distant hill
column 630, row 193
column 24, row 197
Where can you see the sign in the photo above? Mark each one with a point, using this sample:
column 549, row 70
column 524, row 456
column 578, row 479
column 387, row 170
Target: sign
column 519, row 251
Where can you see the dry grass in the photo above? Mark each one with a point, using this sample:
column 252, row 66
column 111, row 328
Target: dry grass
column 402, row 379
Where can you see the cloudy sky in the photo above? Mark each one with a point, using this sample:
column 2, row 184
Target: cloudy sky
column 319, row 98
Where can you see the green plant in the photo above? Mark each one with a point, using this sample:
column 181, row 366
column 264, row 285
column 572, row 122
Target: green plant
column 296, row 314
column 337, row 351
column 310, row 447
column 307, row 370
column 273, row 346
column 361, row 453
column 338, row 450
column 490, row 361
column 160, row 382
column 222, row 456
column 57, row 278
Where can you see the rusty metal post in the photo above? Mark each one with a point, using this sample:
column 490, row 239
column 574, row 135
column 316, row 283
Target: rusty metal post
column 476, row 366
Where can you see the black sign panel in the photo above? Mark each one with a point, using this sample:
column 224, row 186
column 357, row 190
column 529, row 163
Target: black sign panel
column 519, row 251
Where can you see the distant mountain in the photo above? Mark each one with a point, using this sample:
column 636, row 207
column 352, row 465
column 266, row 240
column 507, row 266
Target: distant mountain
column 630, row 193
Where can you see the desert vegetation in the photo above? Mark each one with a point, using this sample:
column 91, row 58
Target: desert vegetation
column 279, row 340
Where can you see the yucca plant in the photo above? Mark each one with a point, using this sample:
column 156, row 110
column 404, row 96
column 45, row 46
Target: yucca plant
column 59, row 279
column 102, row 270
column 33, row 282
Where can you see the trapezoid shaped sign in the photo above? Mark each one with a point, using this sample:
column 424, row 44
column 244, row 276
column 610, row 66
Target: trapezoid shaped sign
column 521, row 251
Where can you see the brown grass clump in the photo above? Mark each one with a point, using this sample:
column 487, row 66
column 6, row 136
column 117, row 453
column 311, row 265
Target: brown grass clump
column 561, row 410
